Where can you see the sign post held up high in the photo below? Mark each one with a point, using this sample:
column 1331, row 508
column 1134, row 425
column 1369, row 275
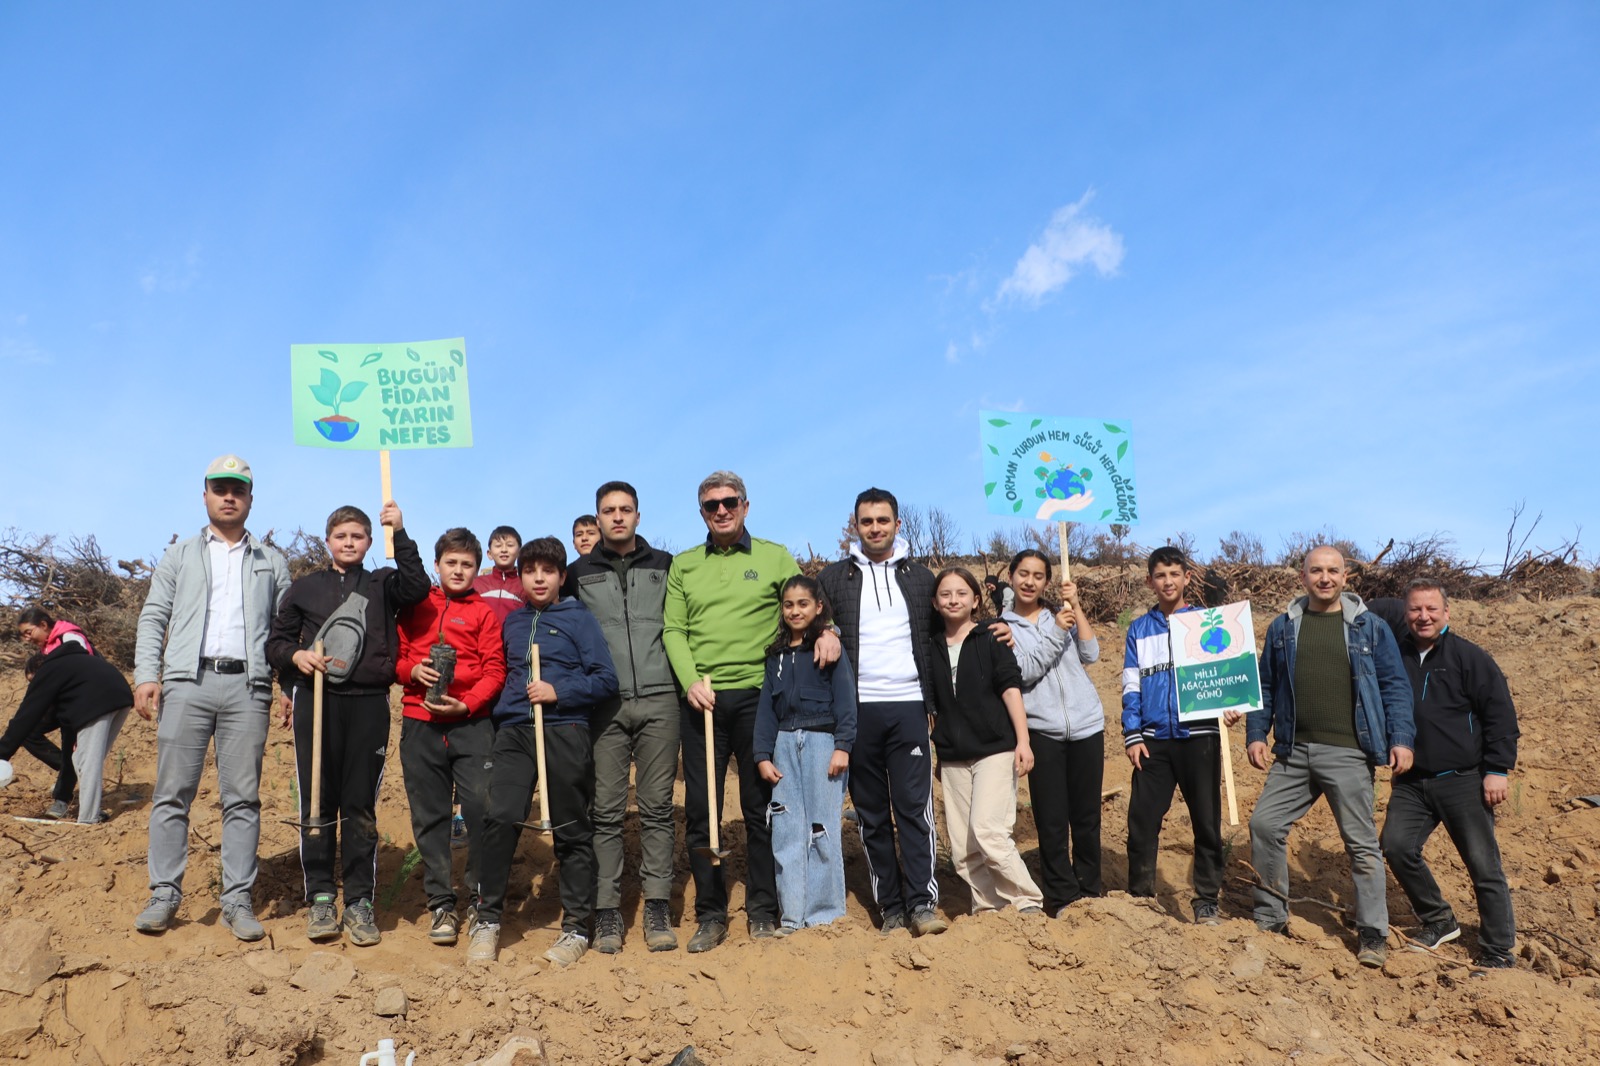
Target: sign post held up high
column 377, row 397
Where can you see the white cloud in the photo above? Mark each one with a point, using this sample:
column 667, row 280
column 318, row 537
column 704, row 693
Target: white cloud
column 172, row 275
column 23, row 352
column 1072, row 240
column 952, row 353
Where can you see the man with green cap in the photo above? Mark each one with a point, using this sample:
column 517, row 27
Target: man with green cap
column 200, row 671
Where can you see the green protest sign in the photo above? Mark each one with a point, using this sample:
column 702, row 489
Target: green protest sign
column 380, row 396
column 1214, row 661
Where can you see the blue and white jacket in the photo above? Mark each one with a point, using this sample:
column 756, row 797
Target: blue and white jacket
column 1149, row 697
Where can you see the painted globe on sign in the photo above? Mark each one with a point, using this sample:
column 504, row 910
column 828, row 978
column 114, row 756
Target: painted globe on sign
column 1064, row 484
column 337, row 428
column 1215, row 640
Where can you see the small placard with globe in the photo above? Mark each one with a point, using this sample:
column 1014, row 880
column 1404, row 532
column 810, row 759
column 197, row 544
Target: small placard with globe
column 1214, row 657
column 375, row 397
column 1057, row 468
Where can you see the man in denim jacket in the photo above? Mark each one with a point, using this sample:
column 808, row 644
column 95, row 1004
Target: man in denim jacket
column 1335, row 696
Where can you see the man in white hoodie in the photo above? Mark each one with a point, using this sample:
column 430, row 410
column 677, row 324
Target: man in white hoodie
column 883, row 605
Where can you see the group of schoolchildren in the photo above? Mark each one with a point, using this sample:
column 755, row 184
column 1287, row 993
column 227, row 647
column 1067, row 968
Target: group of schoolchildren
column 479, row 652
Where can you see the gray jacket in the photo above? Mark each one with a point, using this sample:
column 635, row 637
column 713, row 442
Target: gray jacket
column 1060, row 699
column 172, row 625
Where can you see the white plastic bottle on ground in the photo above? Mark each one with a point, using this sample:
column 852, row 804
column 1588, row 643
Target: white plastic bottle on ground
column 384, row 1056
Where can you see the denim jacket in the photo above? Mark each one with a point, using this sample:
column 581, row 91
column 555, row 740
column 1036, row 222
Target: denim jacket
column 1382, row 691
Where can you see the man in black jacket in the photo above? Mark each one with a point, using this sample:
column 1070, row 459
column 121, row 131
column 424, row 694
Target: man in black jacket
column 883, row 605
column 1466, row 746
column 623, row 582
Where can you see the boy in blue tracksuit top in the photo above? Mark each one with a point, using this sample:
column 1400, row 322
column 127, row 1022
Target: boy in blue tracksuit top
column 575, row 675
column 1164, row 752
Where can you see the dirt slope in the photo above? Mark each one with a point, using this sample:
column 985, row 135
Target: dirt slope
column 1115, row 981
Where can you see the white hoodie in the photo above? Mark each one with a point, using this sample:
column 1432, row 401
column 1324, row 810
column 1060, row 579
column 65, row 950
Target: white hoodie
column 887, row 672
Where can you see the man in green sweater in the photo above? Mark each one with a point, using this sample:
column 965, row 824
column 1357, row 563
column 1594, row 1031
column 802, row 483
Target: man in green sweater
column 721, row 613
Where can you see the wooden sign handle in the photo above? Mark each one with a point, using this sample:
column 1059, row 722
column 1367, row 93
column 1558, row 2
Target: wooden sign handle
column 715, row 818
column 1066, row 561
column 388, row 494
column 316, row 747
column 1227, row 773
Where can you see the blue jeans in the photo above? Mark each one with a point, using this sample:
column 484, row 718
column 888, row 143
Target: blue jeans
column 805, row 815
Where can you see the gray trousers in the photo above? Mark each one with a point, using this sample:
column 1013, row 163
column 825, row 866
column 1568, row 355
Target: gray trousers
column 1344, row 776
column 223, row 706
column 89, row 760
column 643, row 733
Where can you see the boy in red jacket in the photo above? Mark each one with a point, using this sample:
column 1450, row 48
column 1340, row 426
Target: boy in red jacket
column 446, row 738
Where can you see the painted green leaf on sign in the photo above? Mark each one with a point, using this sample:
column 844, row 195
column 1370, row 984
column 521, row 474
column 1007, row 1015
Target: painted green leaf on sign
column 351, row 391
column 1040, row 471
column 1035, row 423
column 998, row 422
column 411, row 353
column 332, row 357
column 457, row 358
column 1039, row 493
column 1105, row 514
column 371, row 358
column 1086, row 474
column 993, row 449
column 1016, row 506
column 988, row 487
column 1111, row 429
column 1122, row 449
column 327, row 390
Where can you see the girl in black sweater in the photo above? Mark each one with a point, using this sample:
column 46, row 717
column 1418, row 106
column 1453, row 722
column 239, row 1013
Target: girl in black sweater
column 982, row 738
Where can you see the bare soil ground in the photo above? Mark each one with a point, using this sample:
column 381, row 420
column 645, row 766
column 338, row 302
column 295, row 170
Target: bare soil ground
column 1115, row 981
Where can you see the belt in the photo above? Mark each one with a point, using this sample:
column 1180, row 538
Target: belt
column 223, row 666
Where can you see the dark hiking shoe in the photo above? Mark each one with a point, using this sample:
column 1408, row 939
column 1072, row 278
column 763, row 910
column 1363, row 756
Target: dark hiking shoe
column 446, row 926
column 608, row 931
column 658, row 934
column 1435, row 933
column 360, row 924
column 1373, row 949
column 925, row 921
column 892, row 920
column 323, row 921
column 763, row 928
column 1281, row 928
column 1493, row 960
column 709, row 935
column 1205, row 913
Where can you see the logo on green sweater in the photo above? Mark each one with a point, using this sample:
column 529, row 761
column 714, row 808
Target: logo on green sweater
column 751, row 575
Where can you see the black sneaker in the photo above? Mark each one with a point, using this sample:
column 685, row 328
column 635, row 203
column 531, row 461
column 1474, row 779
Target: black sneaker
column 711, row 933
column 892, row 920
column 1494, row 960
column 360, row 924
column 1373, row 949
column 608, row 931
column 763, row 928
column 1205, row 913
column 1435, row 933
column 658, row 934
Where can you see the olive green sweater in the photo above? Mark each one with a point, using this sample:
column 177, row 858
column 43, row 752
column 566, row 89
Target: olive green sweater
column 722, row 611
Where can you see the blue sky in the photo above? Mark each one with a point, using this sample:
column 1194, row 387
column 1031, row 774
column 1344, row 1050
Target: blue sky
column 1337, row 267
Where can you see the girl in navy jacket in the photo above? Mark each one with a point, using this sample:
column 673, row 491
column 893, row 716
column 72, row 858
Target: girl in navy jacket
column 805, row 726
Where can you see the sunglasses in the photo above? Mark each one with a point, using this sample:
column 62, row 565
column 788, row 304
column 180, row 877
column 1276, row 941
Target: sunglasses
column 728, row 503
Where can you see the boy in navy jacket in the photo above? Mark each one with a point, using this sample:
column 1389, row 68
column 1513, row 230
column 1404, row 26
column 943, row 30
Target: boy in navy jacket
column 575, row 675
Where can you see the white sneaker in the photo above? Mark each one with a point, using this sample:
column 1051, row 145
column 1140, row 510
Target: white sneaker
column 485, row 943
column 568, row 949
